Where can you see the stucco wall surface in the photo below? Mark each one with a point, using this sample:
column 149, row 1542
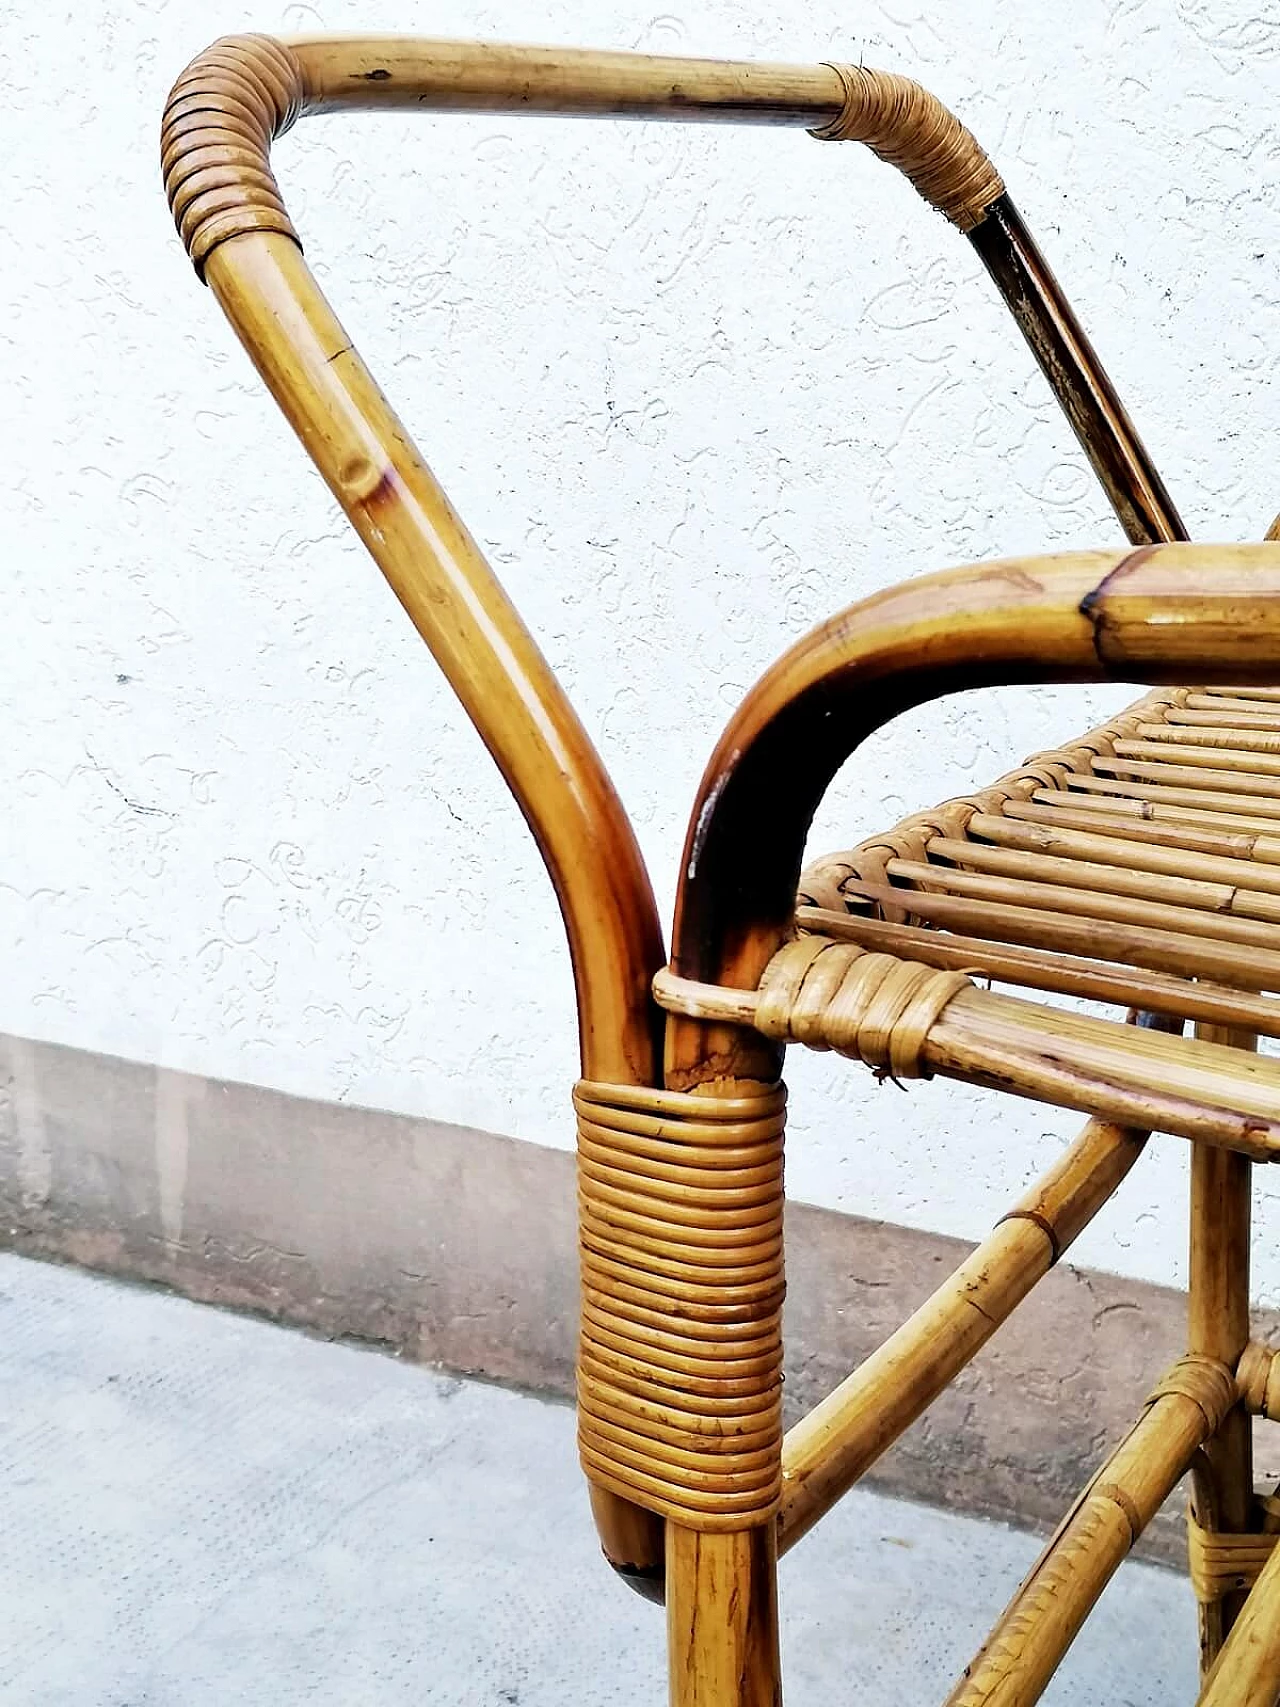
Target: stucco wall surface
column 693, row 390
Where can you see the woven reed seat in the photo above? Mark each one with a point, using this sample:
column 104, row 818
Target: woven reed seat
column 1138, row 868
column 1136, row 871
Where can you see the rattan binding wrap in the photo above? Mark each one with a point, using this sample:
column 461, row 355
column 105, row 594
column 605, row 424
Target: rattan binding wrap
column 680, row 1351
column 873, row 1007
column 215, row 138
column 1220, row 1563
column 909, row 128
column 1258, row 1375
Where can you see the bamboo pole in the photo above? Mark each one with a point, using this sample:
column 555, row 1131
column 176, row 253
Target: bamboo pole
column 1114, row 892
column 419, row 74
column 1158, row 950
column 832, row 1447
column 1246, row 1672
column 440, row 577
column 1215, row 740
column 1108, row 819
column 1066, row 975
column 1070, row 364
column 1186, row 755
column 1016, row 1662
column 1179, row 865
column 1218, row 1327
column 1239, row 717
column 1212, row 786
column 1231, row 813
column 722, row 1618
column 1134, row 1076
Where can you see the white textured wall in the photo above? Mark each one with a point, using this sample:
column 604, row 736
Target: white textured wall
column 693, row 390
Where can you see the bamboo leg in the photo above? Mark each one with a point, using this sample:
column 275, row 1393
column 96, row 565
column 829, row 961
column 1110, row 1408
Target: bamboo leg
column 1218, row 1326
column 722, row 1618
column 1247, row 1671
column 1014, row 1665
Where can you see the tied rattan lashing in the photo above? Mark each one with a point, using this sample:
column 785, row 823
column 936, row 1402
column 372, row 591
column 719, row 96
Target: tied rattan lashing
column 680, row 1354
column 911, row 129
column 222, row 116
column 1136, row 870
column 1223, row 1562
column 873, row 1007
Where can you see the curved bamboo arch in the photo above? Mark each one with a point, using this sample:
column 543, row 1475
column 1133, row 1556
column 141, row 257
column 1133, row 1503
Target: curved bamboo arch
column 223, row 115
column 1154, row 615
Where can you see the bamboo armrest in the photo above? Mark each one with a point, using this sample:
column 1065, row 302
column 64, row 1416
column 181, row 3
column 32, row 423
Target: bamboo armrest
column 1156, row 615
column 241, row 93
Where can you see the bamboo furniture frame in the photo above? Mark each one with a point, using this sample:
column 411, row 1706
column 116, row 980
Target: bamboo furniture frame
column 1138, row 868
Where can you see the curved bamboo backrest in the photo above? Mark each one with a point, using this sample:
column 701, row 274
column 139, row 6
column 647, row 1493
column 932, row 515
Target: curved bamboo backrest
column 223, row 115
column 681, row 1126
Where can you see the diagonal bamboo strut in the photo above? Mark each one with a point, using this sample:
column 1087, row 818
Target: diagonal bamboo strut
column 1247, row 1670
column 1017, row 1660
column 828, row 1450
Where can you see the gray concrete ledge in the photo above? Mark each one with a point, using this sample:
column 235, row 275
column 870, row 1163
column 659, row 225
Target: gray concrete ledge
column 451, row 1246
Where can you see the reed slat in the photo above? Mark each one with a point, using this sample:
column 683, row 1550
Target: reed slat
column 1138, row 826
column 1157, row 950
column 1100, row 906
column 1065, row 975
column 1181, row 866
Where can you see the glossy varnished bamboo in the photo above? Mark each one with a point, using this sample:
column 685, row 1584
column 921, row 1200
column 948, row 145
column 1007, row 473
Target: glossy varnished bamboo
column 1157, row 615
column 370, row 463
column 1218, row 1325
column 1071, row 365
column 1018, row 1659
column 419, row 74
column 1247, row 1670
column 831, row 1448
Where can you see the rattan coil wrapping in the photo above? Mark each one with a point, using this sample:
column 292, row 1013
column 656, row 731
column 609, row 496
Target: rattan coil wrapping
column 873, row 1007
column 1204, row 1381
column 215, row 140
column 680, row 1348
column 909, row 128
column 1219, row 1564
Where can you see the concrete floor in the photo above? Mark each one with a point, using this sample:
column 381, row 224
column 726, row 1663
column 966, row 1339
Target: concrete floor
column 201, row 1509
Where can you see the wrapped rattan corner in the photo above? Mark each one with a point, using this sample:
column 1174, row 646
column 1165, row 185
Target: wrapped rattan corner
column 680, row 1358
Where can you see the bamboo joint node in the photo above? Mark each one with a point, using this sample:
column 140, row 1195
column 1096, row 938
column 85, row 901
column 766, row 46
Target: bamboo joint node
column 215, row 139
column 909, row 128
column 680, row 1343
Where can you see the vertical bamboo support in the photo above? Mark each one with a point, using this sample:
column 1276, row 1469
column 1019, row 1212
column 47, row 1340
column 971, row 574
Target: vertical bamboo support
column 1218, row 1326
column 722, row 1618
